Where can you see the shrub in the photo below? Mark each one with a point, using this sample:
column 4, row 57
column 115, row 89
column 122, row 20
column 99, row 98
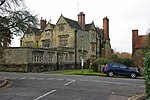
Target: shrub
column 99, row 62
column 87, row 64
column 125, row 61
column 147, row 74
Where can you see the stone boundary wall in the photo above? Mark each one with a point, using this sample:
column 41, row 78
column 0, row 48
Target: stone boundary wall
column 23, row 60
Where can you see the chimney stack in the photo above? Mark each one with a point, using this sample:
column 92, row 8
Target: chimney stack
column 42, row 23
column 106, row 27
column 81, row 19
column 134, row 39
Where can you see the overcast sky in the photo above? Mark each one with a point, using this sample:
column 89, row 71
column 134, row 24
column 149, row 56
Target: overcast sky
column 124, row 16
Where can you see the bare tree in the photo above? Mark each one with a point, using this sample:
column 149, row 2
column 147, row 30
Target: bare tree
column 9, row 2
column 14, row 19
column 2, row 2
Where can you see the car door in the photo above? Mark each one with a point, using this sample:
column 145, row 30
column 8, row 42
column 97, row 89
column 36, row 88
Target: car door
column 116, row 68
column 123, row 69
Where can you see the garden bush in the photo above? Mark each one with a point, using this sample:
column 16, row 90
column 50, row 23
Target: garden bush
column 125, row 61
column 147, row 74
column 98, row 63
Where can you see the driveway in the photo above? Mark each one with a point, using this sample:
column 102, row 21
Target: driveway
column 38, row 86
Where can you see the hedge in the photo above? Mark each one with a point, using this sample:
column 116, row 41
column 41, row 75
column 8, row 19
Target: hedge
column 147, row 74
column 98, row 63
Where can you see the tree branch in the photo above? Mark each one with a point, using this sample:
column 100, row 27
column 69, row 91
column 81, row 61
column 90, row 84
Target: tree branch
column 2, row 2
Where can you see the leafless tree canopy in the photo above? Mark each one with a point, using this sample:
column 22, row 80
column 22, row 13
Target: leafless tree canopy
column 14, row 19
column 9, row 2
column 7, row 5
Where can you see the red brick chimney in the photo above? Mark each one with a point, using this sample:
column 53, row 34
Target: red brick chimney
column 106, row 27
column 81, row 19
column 42, row 23
column 134, row 39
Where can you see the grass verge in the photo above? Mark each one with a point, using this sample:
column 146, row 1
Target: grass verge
column 85, row 72
column 77, row 72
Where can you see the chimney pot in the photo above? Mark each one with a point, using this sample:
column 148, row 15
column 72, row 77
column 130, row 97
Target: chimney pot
column 43, row 23
column 81, row 19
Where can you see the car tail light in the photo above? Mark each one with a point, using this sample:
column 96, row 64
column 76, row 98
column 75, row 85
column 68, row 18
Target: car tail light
column 106, row 66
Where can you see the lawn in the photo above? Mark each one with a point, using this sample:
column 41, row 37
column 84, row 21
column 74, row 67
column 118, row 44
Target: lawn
column 85, row 72
column 77, row 72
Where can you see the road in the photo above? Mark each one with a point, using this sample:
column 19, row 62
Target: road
column 39, row 86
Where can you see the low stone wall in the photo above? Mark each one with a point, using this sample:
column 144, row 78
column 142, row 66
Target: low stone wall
column 34, row 67
column 41, row 67
column 13, row 68
column 27, row 68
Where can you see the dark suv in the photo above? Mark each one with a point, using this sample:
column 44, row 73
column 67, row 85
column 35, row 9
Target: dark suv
column 112, row 69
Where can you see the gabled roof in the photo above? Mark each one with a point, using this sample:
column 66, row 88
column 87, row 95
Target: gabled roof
column 53, row 25
column 140, row 41
column 73, row 24
column 88, row 26
column 99, row 31
column 35, row 30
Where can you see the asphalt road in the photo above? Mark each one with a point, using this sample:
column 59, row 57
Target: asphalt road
column 39, row 86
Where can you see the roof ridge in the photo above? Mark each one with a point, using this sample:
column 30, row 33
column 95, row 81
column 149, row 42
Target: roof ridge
column 73, row 23
column 70, row 19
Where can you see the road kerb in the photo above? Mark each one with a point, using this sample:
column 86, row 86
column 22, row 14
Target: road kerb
column 5, row 83
column 138, row 97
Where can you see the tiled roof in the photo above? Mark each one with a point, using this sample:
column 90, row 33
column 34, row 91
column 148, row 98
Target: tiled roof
column 88, row 26
column 140, row 41
column 99, row 31
column 73, row 24
column 35, row 30
column 53, row 25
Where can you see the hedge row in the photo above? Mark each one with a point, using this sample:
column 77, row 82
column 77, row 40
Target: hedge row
column 147, row 74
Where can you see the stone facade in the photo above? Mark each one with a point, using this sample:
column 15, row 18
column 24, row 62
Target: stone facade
column 61, row 46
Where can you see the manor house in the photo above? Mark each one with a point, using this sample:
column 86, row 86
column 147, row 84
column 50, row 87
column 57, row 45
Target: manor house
column 60, row 46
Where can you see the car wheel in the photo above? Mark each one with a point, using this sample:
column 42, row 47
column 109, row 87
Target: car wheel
column 133, row 75
column 110, row 73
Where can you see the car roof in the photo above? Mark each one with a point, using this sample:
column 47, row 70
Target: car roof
column 115, row 63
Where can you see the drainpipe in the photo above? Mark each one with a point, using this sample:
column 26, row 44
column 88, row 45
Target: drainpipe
column 37, row 43
column 75, row 49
